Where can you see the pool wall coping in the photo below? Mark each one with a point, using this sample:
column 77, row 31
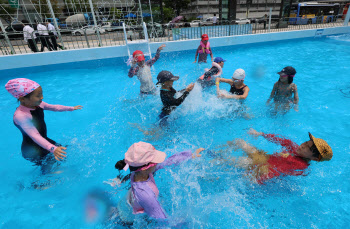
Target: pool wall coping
column 69, row 56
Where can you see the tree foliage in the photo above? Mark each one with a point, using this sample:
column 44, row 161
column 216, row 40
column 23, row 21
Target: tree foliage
column 167, row 12
column 178, row 5
column 115, row 12
column 43, row 10
column 6, row 11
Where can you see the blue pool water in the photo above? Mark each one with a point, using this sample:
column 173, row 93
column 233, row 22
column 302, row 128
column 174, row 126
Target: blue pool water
column 201, row 193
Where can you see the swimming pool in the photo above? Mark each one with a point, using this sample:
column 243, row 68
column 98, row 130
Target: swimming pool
column 201, row 192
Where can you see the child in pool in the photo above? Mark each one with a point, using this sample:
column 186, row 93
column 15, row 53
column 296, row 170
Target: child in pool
column 142, row 70
column 167, row 94
column 144, row 160
column 210, row 75
column 293, row 160
column 29, row 119
column 238, row 89
column 283, row 90
column 203, row 50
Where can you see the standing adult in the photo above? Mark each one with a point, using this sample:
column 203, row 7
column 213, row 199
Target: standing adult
column 265, row 20
column 53, row 35
column 215, row 19
column 44, row 37
column 29, row 36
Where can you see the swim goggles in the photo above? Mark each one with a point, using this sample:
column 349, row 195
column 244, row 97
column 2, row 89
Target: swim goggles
column 236, row 80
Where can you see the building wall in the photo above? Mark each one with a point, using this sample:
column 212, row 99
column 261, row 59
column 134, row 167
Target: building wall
column 208, row 8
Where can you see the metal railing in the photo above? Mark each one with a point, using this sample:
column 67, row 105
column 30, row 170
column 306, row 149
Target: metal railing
column 87, row 37
column 291, row 24
column 71, row 39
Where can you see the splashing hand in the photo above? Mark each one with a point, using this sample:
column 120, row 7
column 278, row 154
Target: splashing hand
column 190, row 87
column 59, row 153
column 79, row 107
column 197, row 152
column 253, row 132
column 162, row 46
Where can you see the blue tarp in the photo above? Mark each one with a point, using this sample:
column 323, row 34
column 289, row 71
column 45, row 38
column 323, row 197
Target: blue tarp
column 146, row 15
column 130, row 15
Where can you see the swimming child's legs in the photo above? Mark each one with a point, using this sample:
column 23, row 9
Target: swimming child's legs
column 202, row 57
column 163, row 120
column 283, row 106
column 48, row 163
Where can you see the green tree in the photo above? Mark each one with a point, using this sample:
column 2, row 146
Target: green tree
column 42, row 8
column 79, row 6
column 6, row 11
column 178, row 5
column 115, row 12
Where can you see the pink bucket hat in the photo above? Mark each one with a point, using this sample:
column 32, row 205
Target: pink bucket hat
column 21, row 87
column 142, row 153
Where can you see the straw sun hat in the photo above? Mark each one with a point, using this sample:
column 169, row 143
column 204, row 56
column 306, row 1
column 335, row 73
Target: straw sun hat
column 322, row 147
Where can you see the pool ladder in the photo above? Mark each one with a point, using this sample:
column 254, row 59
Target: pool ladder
column 146, row 41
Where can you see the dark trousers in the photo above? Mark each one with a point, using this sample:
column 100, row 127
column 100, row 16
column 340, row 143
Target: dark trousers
column 54, row 41
column 32, row 46
column 45, row 42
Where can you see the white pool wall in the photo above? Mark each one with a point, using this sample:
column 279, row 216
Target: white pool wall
column 69, row 56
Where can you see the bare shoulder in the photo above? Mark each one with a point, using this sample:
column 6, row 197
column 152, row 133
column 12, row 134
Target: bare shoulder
column 294, row 86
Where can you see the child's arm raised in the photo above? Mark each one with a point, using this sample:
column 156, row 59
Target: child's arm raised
column 156, row 57
column 272, row 93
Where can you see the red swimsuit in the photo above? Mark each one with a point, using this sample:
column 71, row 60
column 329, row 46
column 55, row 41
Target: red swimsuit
column 280, row 165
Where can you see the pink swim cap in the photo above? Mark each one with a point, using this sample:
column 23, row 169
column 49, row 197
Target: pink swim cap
column 21, row 87
column 142, row 153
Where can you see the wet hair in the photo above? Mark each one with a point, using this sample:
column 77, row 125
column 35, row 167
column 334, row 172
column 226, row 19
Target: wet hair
column 315, row 152
column 120, row 165
column 290, row 79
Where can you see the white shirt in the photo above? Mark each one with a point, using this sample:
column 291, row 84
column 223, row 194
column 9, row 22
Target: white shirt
column 215, row 19
column 52, row 29
column 145, row 77
column 42, row 29
column 28, row 32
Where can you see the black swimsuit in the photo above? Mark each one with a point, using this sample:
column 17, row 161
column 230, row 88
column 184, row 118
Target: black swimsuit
column 30, row 149
column 169, row 101
column 236, row 91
